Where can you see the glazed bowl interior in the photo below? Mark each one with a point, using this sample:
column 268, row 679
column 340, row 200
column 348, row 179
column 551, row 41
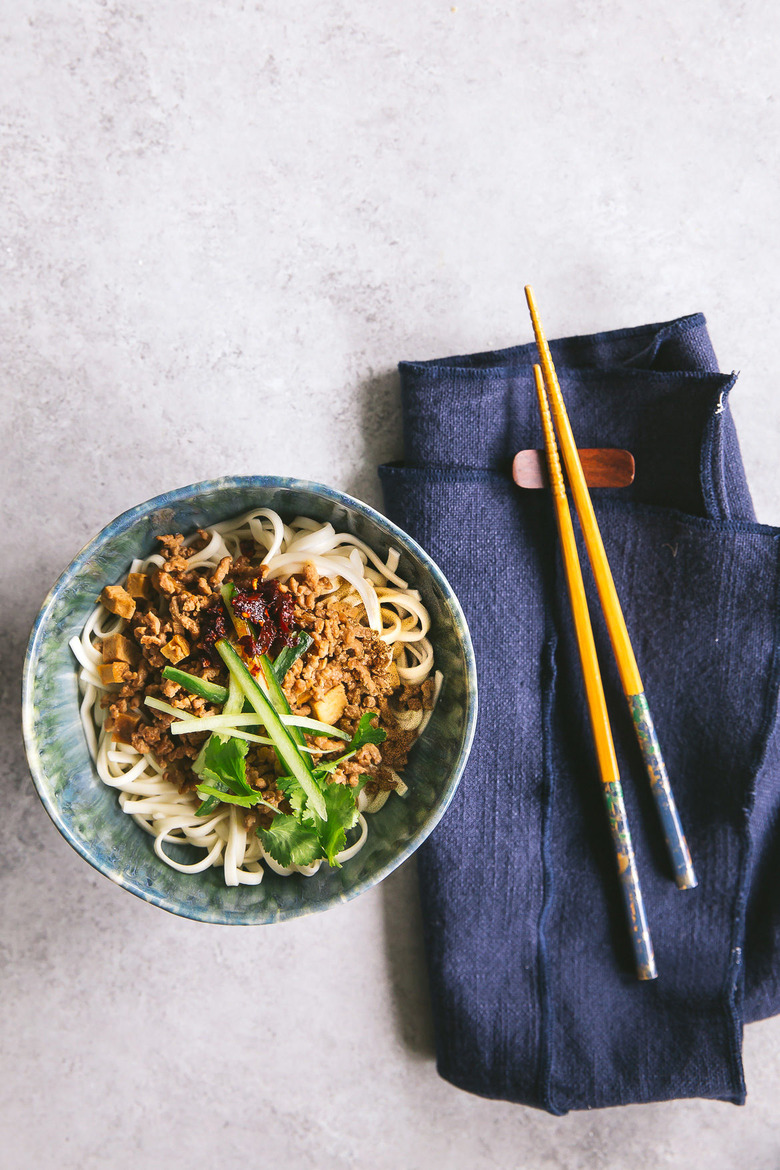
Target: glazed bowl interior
column 87, row 812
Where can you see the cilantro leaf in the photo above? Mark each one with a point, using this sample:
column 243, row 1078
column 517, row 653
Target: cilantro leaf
column 296, row 797
column 226, row 797
column 289, row 842
column 341, row 803
column 301, row 837
column 222, row 763
column 365, row 732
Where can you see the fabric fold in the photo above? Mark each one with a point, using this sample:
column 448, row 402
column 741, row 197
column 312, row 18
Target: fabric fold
column 533, row 992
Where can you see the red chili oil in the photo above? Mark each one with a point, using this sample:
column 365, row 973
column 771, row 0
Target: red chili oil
column 270, row 610
column 213, row 626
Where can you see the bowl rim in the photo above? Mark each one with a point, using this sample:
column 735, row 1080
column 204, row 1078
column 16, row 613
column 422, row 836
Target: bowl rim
column 122, row 523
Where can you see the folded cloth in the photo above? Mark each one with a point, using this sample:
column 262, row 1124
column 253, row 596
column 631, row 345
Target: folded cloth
column 534, row 994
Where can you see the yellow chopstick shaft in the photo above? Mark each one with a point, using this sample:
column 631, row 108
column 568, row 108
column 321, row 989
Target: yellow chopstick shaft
column 613, row 614
column 660, row 786
column 594, row 689
column 597, row 705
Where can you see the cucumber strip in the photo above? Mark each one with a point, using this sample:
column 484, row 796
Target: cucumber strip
column 187, row 727
column 252, row 719
column 286, row 747
column 235, row 701
column 208, row 806
column 313, row 726
column 219, row 722
column 290, row 654
column 228, row 731
column 211, row 692
column 198, row 762
column 223, row 723
column 277, row 697
column 159, row 705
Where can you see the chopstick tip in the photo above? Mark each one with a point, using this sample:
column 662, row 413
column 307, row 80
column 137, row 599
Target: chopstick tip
column 532, row 309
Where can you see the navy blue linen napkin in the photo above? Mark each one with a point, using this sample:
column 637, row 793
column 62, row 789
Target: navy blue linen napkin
column 534, row 995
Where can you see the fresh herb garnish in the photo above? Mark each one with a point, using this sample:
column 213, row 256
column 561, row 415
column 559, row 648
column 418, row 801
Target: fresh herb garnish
column 291, row 841
column 341, row 803
column 299, row 835
column 322, row 812
column 220, row 794
column 223, row 763
column 221, row 770
column 365, row 732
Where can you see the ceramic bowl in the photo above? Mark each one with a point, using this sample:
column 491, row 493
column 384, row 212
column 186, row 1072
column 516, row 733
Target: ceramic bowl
column 87, row 812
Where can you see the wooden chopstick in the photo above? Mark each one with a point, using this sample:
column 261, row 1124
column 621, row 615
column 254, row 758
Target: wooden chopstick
column 621, row 643
column 597, row 706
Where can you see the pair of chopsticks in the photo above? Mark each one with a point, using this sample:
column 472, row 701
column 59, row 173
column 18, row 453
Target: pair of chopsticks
column 547, row 386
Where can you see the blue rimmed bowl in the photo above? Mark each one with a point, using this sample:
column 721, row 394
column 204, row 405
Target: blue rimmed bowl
column 87, row 812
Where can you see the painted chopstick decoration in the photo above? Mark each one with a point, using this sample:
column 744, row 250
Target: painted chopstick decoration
column 597, row 706
column 621, row 643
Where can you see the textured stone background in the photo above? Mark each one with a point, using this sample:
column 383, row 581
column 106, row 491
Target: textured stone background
column 222, row 224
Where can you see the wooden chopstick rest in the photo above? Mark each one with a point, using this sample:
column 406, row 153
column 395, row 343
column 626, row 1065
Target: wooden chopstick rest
column 604, row 467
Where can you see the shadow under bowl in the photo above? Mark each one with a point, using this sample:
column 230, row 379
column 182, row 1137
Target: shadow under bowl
column 87, row 812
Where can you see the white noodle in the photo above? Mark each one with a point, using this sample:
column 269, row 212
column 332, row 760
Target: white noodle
column 86, row 653
column 351, row 850
column 393, row 610
column 87, row 722
column 215, row 550
column 387, row 571
column 198, row 866
column 422, row 653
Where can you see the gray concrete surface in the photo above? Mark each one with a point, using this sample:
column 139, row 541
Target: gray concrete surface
column 222, row 225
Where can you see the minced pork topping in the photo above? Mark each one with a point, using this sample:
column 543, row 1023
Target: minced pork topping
column 172, row 614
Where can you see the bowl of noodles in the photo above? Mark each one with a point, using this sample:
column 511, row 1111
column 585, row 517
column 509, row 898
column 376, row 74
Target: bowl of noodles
column 249, row 699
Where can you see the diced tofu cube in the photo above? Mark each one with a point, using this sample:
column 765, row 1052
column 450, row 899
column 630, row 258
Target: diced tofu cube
column 176, row 649
column 331, row 706
column 117, row 600
column 118, row 648
column 139, row 585
column 124, row 726
column 112, row 672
